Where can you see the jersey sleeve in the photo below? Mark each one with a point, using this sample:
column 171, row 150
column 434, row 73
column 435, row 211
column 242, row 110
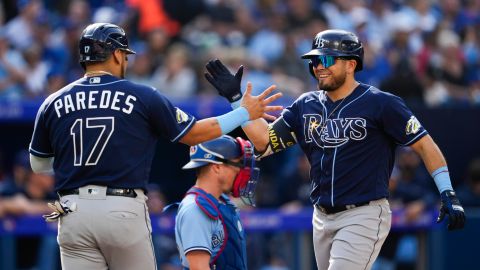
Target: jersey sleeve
column 195, row 229
column 168, row 120
column 40, row 144
column 400, row 123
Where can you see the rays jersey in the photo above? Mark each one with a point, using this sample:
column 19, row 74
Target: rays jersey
column 351, row 143
column 103, row 130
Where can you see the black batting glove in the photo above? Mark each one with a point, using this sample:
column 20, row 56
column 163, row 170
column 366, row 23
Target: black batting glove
column 451, row 206
column 227, row 84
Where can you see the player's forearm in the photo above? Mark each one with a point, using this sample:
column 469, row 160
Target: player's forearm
column 430, row 153
column 434, row 162
column 203, row 130
column 257, row 133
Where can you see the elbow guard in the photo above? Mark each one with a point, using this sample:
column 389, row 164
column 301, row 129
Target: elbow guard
column 280, row 137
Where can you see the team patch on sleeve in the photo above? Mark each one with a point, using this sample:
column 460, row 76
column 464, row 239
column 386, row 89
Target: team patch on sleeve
column 413, row 126
column 181, row 116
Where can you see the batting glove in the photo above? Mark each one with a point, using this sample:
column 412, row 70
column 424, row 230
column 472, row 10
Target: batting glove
column 451, row 206
column 227, row 84
column 59, row 209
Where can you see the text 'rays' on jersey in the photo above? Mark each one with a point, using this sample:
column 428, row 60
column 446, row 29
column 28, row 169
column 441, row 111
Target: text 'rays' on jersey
column 333, row 132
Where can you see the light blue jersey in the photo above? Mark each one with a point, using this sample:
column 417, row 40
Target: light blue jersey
column 194, row 230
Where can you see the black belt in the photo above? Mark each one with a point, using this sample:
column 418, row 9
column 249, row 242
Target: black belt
column 335, row 209
column 124, row 192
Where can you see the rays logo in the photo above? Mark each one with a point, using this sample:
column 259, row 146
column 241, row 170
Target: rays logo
column 334, row 132
column 217, row 239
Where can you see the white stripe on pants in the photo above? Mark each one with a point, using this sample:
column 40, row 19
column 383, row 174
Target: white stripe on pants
column 351, row 239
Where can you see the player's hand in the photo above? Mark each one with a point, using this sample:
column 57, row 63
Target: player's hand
column 451, row 206
column 227, row 84
column 257, row 106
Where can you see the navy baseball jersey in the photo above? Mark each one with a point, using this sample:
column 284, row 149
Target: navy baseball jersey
column 351, row 143
column 100, row 130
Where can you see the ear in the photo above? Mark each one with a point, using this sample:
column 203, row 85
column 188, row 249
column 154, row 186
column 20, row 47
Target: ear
column 117, row 55
column 352, row 64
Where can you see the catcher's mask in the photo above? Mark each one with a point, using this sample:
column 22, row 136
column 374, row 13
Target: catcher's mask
column 223, row 150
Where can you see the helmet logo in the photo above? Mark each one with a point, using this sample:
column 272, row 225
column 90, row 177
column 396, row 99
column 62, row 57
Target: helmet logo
column 319, row 42
column 86, row 49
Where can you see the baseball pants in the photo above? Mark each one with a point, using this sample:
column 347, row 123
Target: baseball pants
column 106, row 232
column 351, row 239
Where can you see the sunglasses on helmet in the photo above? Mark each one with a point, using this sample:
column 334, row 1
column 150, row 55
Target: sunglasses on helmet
column 326, row 60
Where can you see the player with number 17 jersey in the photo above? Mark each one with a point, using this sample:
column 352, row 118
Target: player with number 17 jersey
column 84, row 125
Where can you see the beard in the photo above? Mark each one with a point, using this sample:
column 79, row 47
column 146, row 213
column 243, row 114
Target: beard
column 336, row 82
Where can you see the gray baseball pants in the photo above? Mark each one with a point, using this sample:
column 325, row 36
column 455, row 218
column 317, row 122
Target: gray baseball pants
column 351, row 239
column 106, row 232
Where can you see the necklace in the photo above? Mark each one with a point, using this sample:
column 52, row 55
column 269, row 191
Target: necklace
column 97, row 72
column 328, row 116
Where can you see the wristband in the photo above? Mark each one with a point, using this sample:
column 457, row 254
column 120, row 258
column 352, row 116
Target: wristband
column 235, row 105
column 233, row 119
column 442, row 179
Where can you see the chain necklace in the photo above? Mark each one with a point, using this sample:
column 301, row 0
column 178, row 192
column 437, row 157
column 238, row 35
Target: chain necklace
column 334, row 110
column 97, row 72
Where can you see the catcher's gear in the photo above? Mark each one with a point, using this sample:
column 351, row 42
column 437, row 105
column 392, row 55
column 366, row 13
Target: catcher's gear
column 336, row 43
column 451, row 206
column 100, row 40
column 223, row 150
column 227, row 84
column 60, row 208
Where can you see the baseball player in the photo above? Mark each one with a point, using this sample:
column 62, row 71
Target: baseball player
column 349, row 132
column 208, row 230
column 98, row 136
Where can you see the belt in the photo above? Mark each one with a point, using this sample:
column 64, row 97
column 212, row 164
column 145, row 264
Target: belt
column 124, row 192
column 335, row 209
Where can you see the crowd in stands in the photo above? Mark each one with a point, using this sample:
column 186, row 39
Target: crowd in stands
column 427, row 52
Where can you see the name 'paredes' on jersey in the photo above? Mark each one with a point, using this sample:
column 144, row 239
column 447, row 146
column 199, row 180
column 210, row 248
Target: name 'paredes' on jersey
column 89, row 100
column 334, row 132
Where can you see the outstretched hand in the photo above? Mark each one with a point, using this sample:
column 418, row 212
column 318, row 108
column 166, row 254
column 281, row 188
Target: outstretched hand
column 258, row 106
column 227, row 84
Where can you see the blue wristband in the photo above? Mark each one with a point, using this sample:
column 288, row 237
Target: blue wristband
column 233, row 119
column 442, row 179
column 236, row 105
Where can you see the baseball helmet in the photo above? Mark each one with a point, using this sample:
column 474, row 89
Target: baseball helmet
column 100, row 40
column 338, row 43
column 222, row 151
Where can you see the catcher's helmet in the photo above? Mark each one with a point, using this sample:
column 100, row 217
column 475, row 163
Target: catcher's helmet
column 100, row 40
column 214, row 151
column 336, row 43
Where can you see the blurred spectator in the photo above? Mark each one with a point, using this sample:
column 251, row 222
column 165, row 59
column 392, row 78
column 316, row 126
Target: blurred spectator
column 12, row 67
column 141, row 69
column 37, row 70
column 175, row 78
column 27, row 194
column 469, row 192
column 24, row 22
column 403, row 80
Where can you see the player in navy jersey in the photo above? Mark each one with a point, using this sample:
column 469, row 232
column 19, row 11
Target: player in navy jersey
column 98, row 136
column 349, row 132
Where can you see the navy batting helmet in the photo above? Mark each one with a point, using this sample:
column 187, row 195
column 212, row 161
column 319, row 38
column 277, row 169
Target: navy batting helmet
column 100, row 40
column 337, row 43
